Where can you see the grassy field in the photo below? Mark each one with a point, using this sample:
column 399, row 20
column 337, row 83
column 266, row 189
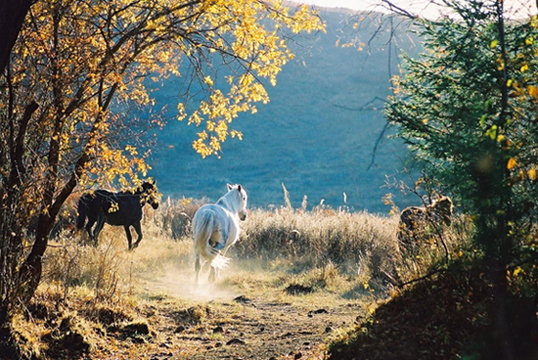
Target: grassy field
column 298, row 279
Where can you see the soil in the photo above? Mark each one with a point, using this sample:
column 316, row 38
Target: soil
column 237, row 326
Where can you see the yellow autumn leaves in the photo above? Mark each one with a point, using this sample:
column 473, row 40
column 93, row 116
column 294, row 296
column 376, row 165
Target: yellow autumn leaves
column 253, row 30
column 87, row 65
column 521, row 173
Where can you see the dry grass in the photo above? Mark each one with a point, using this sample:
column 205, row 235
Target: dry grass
column 287, row 264
column 361, row 245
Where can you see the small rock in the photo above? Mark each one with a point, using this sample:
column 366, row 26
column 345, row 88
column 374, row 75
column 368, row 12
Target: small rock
column 138, row 340
column 318, row 311
column 236, row 341
column 180, row 329
column 134, row 328
column 218, row 329
column 242, row 299
column 298, row 289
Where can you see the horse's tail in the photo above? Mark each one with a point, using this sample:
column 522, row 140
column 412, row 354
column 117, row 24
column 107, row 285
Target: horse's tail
column 220, row 261
column 82, row 208
column 204, row 227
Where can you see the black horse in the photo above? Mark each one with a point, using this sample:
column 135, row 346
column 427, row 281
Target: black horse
column 117, row 209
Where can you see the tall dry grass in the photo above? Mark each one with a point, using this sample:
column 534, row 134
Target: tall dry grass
column 323, row 241
column 328, row 253
column 357, row 243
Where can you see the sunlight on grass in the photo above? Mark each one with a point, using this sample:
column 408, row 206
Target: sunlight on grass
column 290, row 267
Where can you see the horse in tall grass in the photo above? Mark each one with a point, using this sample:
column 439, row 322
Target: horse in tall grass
column 415, row 221
column 216, row 228
column 116, row 209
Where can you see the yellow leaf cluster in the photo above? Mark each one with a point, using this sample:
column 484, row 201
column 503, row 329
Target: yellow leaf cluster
column 87, row 64
column 511, row 163
column 256, row 28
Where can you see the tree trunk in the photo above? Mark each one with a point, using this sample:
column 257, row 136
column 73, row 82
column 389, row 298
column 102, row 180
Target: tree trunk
column 12, row 14
column 31, row 269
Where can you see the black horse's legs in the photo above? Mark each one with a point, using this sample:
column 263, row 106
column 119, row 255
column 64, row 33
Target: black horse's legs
column 138, row 230
column 88, row 228
column 129, row 236
column 98, row 228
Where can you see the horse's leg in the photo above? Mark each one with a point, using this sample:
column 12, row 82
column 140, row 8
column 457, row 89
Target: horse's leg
column 212, row 274
column 88, row 227
column 138, row 230
column 98, row 228
column 218, row 243
column 129, row 236
column 197, row 267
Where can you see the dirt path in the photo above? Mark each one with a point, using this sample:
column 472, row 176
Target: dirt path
column 243, row 329
column 256, row 329
column 260, row 323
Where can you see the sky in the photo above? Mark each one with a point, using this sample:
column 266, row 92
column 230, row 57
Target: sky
column 426, row 8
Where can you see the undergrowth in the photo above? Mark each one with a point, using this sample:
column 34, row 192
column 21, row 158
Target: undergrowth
column 88, row 292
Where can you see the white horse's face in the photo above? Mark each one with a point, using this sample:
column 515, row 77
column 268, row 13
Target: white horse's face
column 242, row 200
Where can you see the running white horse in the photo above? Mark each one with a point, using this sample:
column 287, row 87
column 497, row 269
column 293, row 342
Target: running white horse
column 216, row 228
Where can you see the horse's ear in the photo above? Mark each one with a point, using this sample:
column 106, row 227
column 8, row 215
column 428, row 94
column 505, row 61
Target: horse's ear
column 239, row 187
column 229, row 187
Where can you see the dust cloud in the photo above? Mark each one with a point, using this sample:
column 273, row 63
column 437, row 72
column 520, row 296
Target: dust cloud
column 179, row 283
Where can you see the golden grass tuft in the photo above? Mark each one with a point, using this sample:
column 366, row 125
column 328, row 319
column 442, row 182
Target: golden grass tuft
column 359, row 244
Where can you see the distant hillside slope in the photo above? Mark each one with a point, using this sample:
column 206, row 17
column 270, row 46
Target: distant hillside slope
column 311, row 136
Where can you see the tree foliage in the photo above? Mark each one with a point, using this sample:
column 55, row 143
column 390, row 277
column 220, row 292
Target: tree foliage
column 467, row 107
column 76, row 69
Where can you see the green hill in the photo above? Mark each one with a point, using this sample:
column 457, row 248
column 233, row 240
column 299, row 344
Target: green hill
column 313, row 136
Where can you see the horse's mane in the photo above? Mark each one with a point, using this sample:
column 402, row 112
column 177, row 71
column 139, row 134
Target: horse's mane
column 225, row 202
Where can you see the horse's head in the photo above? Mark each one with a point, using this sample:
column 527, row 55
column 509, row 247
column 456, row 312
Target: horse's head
column 149, row 191
column 443, row 209
column 241, row 197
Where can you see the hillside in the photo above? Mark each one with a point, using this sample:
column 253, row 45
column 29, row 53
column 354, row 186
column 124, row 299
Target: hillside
column 311, row 136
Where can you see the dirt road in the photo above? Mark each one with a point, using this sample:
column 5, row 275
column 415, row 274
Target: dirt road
column 256, row 323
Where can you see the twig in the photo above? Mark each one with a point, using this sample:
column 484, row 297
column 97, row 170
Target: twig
column 438, row 271
column 377, row 144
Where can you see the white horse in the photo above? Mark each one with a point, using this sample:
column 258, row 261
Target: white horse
column 216, row 228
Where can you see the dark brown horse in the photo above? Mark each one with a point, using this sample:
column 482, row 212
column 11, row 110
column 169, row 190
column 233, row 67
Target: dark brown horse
column 414, row 220
column 117, row 209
